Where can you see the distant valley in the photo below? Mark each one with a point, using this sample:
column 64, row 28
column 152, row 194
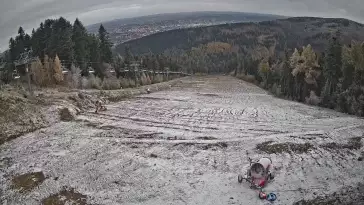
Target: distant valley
column 123, row 30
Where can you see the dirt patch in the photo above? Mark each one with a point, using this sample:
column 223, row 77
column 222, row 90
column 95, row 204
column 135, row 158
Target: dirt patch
column 153, row 135
column 206, row 138
column 287, row 147
column 213, row 145
column 353, row 143
column 151, row 98
column 153, row 155
column 66, row 197
column 347, row 196
column 18, row 115
column 83, row 101
column 5, row 162
column 208, row 94
column 361, row 157
column 117, row 132
column 25, row 129
column 26, row 182
column 66, row 115
column 206, row 146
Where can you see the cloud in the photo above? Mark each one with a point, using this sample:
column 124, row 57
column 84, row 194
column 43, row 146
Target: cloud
column 15, row 13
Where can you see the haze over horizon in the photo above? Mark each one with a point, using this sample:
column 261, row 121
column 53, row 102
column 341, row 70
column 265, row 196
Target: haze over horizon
column 29, row 14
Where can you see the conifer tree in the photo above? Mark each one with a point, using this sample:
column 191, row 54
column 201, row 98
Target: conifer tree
column 61, row 40
column 287, row 81
column 105, row 45
column 79, row 38
column 333, row 64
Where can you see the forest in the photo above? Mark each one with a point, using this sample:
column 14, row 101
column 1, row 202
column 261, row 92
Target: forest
column 317, row 61
column 57, row 46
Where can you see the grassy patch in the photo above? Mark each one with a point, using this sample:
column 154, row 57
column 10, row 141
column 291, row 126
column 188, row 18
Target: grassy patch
column 287, row 147
column 248, row 78
column 66, row 197
column 353, row 143
column 66, row 115
column 207, row 138
column 27, row 182
column 205, row 146
column 7, row 137
column 208, row 94
column 18, row 115
column 348, row 195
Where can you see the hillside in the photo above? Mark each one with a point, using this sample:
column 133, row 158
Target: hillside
column 122, row 30
column 227, row 16
column 322, row 64
column 295, row 32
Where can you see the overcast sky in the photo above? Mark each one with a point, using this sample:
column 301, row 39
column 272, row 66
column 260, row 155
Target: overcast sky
column 29, row 13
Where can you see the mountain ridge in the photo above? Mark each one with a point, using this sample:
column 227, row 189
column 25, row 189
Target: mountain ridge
column 122, row 30
column 166, row 16
column 292, row 32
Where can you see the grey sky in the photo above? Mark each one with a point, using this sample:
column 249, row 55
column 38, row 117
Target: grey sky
column 29, row 13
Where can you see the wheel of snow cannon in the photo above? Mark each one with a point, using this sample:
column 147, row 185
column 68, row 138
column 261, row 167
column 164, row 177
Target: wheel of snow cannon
column 271, row 176
column 240, row 178
column 262, row 195
column 271, row 197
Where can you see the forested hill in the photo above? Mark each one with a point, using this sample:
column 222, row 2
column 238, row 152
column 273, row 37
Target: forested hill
column 273, row 35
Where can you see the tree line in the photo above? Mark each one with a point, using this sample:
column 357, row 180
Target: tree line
column 333, row 78
column 74, row 46
column 70, row 42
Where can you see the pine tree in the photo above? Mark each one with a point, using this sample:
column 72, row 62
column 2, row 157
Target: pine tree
column 156, row 65
column 93, row 46
column 61, row 43
column 27, row 42
column 333, row 64
column 79, row 38
column 287, row 81
column 47, row 75
column 128, row 56
column 296, row 63
column 105, row 45
column 20, row 41
column 46, row 36
column 36, row 42
column 21, row 33
column 348, row 68
column 118, row 65
column 357, row 60
column 12, row 50
column 6, row 73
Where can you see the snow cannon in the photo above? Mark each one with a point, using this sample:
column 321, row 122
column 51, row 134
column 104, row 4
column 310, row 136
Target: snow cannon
column 259, row 173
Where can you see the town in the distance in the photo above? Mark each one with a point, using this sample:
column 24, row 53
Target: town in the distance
column 123, row 30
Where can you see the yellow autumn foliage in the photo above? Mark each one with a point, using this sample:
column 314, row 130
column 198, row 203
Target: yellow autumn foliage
column 57, row 70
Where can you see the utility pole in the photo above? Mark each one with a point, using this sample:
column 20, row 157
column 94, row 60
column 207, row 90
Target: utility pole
column 29, row 83
column 24, row 59
column 167, row 73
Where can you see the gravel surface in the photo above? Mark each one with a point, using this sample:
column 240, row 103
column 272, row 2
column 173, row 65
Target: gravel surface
column 187, row 145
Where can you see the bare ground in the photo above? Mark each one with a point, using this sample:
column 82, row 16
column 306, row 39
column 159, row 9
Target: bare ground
column 187, row 145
